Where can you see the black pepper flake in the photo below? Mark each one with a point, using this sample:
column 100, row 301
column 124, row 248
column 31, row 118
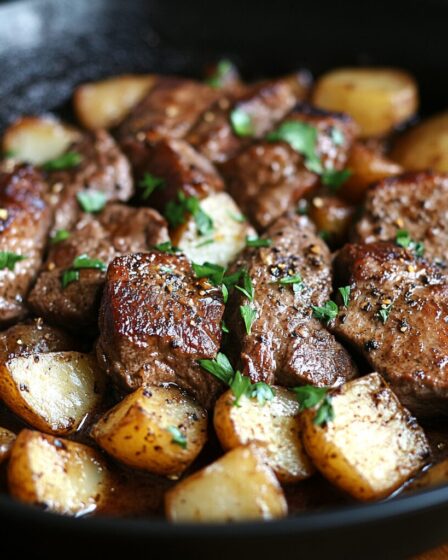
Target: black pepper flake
column 371, row 345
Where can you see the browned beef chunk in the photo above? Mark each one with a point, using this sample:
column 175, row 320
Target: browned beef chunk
column 268, row 178
column 103, row 168
column 176, row 164
column 25, row 218
column 287, row 345
column 415, row 202
column 170, row 108
column 397, row 318
column 117, row 230
column 34, row 337
column 265, row 104
column 156, row 321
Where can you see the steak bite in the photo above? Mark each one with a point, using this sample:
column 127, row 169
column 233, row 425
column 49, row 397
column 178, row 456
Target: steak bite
column 269, row 177
column 397, row 318
column 170, row 108
column 74, row 302
column 263, row 105
column 103, row 168
column 25, row 218
column 415, row 202
column 174, row 166
column 156, row 320
column 287, row 345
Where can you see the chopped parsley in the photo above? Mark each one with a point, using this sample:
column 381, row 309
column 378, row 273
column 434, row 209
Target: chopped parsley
column 334, row 179
column 225, row 293
column 249, row 314
column 327, row 312
column 337, row 136
column 222, row 70
column 79, row 263
column 302, row 207
column 167, row 247
column 384, row 312
column 403, row 239
column 262, row 392
column 258, row 242
column 149, row 184
column 237, row 217
column 224, row 327
column 345, row 294
column 176, row 211
column 309, row 397
column 247, row 288
column 239, row 386
column 69, row 276
column 220, row 367
column 178, row 437
column 9, row 260
column 66, row 161
column 204, row 243
column 60, row 235
column 214, row 272
column 91, row 201
column 241, row 122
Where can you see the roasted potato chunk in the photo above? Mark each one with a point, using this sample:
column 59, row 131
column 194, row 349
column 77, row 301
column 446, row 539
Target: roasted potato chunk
column 238, row 486
column 56, row 474
column 424, row 146
column 377, row 98
column 38, row 139
column 104, row 104
column 273, row 424
column 157, row 429
column 52, row 391
column 333, row 217
column 436, row 475
column 6, row 441
column 372, row 445
column 226, row 239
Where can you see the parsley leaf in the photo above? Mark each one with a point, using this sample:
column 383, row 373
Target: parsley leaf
column 237, row 217
column 91, row 201
column 178, row 437
column 176, row 211
column 258, row 242
column 225, row 293
column 60, row 235
column 334, row 179
column 69, row 276
column 337, row 136
column 84, row 261
column 220, row 367
column 262, row 392
column 149, row 184
column 302, row 137
column 214, row 272
column 403, row 239
column 8, row 260
column 224, row 327
column 223, row 68
column 241, row 122
column 249, row 314
column 239, row 386
column 309, row 396
column 384, row 313
column 247, row 288
column 302, row 207
column 204, row 243
column 327, row 312
column 66, row 161
column 345, row 293
column 167, row 247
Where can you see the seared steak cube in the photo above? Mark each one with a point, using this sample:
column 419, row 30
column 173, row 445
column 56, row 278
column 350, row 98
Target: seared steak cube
column 156, row 321
column 25, row 218
column 118, row 230
column 396, row 318
column 286, row 344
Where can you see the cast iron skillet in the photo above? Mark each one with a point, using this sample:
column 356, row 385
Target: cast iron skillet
column 48, row 46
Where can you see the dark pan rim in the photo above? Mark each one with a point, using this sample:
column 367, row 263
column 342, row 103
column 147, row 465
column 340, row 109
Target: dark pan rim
column 349, row 516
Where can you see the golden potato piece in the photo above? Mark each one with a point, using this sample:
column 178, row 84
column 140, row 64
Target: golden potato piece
column 274, row 425
column 157, row 429
column 6, row 441
column 367, row 166
column 38, row 139
column 372, row 446
column 377, row 98
column 53, row 392
column 424, row 146
column 104, row 104
column 59, row 475
column 333, row 217
column 227, row 239
column 436, row 475
column 238, row 486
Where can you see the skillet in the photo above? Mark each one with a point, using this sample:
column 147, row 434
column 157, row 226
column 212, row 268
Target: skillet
column 49, row 46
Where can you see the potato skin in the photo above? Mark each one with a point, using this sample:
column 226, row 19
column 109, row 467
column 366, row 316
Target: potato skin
column 273, row 425
column 6, row 442
column 424, row 146
column 436, row 475
column 243, row 487
column 377, row 98
column 136, row 433
column 333, row 217
column 372, row 446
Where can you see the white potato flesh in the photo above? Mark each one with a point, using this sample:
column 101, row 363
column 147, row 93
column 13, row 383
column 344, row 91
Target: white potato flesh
column 226, row 240
column 6, row 441
column 59, row 475
column 38, row 139
column 424, row 146
column 238, row 486
column 104, row 104
column 372, row 446
column 274, row 425
column 378, row 99
column 141, row 430
column 53, row 392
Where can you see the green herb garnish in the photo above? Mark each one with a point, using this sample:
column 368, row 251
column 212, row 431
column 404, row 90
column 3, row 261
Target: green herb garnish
column 91, row 201
column 69, row 276
column 249, row 314
column 178, row 437
column 214, row 272
column 384, row 313
column 9, row 260
column 334, row 179
column 258, row 242
column 149, row 184
column 60, row 235
column 223, row 68
column 220, row 367
column 345, row 293
column 204, row 243
column 80, row 263
column 224, row 327
column 66, row 161
column 176, row 211
column 167, row 247
column 327, row 312
column 247, row 288
column 262, row 392
column 403, row 239
column 241, row 122
column 237, row 217
column 309, row 396
column 239, row 386
column 337, row 136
